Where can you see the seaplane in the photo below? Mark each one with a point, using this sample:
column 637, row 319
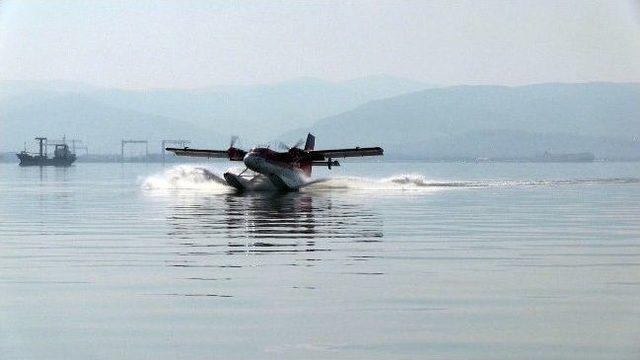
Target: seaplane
column 285, row 171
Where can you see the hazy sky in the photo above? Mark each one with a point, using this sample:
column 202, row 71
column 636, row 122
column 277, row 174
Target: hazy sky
column 182, row 44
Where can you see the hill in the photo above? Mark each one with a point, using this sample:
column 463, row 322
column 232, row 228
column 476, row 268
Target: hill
column 98, row 125
column 255, row 112
column 490, row 121
column 259, row 112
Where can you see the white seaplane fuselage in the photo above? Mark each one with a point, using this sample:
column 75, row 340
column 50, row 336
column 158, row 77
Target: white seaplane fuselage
column 281, row 169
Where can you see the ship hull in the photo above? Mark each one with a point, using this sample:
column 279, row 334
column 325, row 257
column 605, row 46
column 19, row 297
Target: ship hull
column 30, row 160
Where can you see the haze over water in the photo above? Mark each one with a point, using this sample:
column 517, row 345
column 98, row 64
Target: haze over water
column 459, row 261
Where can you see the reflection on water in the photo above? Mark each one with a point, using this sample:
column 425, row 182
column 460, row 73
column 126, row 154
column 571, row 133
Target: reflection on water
column 270, row 223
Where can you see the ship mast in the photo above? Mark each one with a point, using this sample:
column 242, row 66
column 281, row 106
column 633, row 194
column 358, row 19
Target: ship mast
column 42, row 148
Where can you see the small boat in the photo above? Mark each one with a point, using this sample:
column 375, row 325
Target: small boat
column 62, row 156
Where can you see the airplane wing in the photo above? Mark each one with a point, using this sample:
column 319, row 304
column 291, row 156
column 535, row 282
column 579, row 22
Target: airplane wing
column 232, row 154
column 344, row 153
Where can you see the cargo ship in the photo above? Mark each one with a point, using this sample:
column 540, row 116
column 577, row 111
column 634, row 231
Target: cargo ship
column 62, row 156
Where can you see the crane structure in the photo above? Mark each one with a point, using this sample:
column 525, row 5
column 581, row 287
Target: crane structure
column 82, row 147
column 78, row 146
column 130, row 141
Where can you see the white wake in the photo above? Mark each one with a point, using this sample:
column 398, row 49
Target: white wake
column 210, row 179
column 186, row 177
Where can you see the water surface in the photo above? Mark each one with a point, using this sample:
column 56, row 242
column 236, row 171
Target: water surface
column 381, row 261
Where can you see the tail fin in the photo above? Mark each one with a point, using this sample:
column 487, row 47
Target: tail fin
column 309, row 145
column 311, row 142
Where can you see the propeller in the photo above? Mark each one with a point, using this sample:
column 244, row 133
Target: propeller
column 295, row 146
column 233, row 152
column 283, row 146
column 234, row 139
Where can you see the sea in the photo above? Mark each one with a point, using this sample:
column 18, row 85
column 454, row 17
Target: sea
column 376, row 260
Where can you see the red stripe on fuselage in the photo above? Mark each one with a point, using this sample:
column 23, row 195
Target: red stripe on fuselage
column 287, row 159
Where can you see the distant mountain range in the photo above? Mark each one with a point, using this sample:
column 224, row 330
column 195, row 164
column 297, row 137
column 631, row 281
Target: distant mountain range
column 493, row 121
column 258, row 113
column 100, row 126
column 410, row 119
